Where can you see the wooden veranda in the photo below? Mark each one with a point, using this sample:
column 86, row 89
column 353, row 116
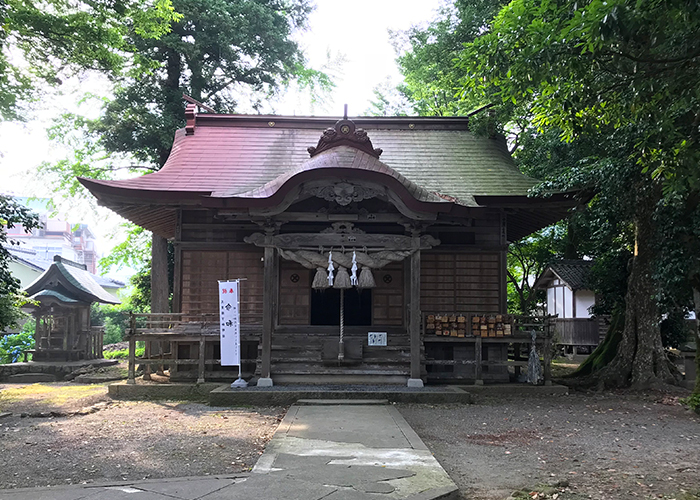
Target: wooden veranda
column 472, row 357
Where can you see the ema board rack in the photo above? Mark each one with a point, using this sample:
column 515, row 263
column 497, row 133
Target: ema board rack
column 469, row 325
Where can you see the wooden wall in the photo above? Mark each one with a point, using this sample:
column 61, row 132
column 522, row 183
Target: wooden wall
column 201, row 269
column 387, row 296
column 295, row 294
column 460, row 282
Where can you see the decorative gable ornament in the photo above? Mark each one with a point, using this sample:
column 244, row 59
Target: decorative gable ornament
column 344, row 133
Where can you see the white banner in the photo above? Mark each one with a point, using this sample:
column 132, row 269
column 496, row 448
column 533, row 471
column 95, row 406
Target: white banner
column 230, row 323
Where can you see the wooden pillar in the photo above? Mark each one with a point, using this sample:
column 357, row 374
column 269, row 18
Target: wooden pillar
column 132, row 360
column 200, row 368
column 177, row 274
column 160, row 293
column 159, row 274
column 503, row 267
column 270, row 284
column 479, row 362
column 414, row 314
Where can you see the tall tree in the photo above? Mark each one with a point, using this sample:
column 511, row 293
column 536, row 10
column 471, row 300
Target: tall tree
column 623, row 69
column 218, row 52
column 58, row 39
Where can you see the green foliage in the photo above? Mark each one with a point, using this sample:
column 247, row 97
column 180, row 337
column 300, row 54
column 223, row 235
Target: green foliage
column 432, row 83
column 12, row 346
column 692, row 402
column 133, row 252
column 124, row 353
column 219, row 50
column 114, row 318
column 11, row 214
column 57, row 39
column 527, row 260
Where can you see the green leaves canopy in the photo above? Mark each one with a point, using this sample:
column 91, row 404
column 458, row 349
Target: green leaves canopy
column 587, row 66
column 59, row 38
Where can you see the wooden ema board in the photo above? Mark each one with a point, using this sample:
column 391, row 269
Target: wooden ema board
column 462, row 325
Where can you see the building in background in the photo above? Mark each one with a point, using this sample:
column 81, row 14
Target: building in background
column 27, row 265
column 570, row 298
column 55, row 236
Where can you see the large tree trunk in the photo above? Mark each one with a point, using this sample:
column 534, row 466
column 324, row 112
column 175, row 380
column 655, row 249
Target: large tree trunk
column 159, row 275
column 640, row 360
column 160, row 292
column 696, row 298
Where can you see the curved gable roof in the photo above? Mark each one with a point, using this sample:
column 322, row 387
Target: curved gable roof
column 75, row 280
column 239, row 160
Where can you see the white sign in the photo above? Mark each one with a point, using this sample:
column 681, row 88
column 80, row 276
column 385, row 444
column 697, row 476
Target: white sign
column 376, row 338
column 230, row 323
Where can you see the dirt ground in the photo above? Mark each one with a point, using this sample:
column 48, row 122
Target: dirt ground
column 589, row 446
column 600, row 446
column 109, row 440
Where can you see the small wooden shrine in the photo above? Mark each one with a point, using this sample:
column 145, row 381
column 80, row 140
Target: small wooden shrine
column 61, row 299
column 371, row 248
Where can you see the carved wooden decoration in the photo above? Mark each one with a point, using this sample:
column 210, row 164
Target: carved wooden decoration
column 344, row 193
column 298, row 241
column 344, row 133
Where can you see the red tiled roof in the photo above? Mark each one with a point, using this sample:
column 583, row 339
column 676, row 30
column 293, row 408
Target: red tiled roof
column 233, row 158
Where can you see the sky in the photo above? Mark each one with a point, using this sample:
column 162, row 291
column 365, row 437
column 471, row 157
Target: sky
column 356, row 31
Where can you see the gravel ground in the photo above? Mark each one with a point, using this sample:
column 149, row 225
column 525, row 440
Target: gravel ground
column 603, row 446
column 608, row 446
column 124, row 439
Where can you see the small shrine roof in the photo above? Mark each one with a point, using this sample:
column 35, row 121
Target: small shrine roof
column 56, row 295
column 71, row 280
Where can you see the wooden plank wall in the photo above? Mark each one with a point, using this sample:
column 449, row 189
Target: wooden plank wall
column 387, row 297
column 295, row 291
column 463, row 282
column 201, row 269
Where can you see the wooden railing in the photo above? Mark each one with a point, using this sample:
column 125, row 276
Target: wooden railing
column 578, row 331
column 159, row 329
column 519, row 334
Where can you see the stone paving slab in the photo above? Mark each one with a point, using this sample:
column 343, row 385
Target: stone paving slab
column 361, row 449
column 331, row 451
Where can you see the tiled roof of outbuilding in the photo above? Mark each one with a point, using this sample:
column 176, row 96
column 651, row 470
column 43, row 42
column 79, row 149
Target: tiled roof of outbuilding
column 573, row 272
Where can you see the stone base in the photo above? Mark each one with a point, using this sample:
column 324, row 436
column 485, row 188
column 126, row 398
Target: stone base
column 264, row 382
column 415, row 382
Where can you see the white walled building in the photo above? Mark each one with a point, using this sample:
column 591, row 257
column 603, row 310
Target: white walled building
column 570, row 298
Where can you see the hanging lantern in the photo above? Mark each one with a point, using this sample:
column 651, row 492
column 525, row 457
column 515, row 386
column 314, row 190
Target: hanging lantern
column 342, row 279
column 330, row 268
column 353, row 276
column 366, row 279
column 320, row 279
